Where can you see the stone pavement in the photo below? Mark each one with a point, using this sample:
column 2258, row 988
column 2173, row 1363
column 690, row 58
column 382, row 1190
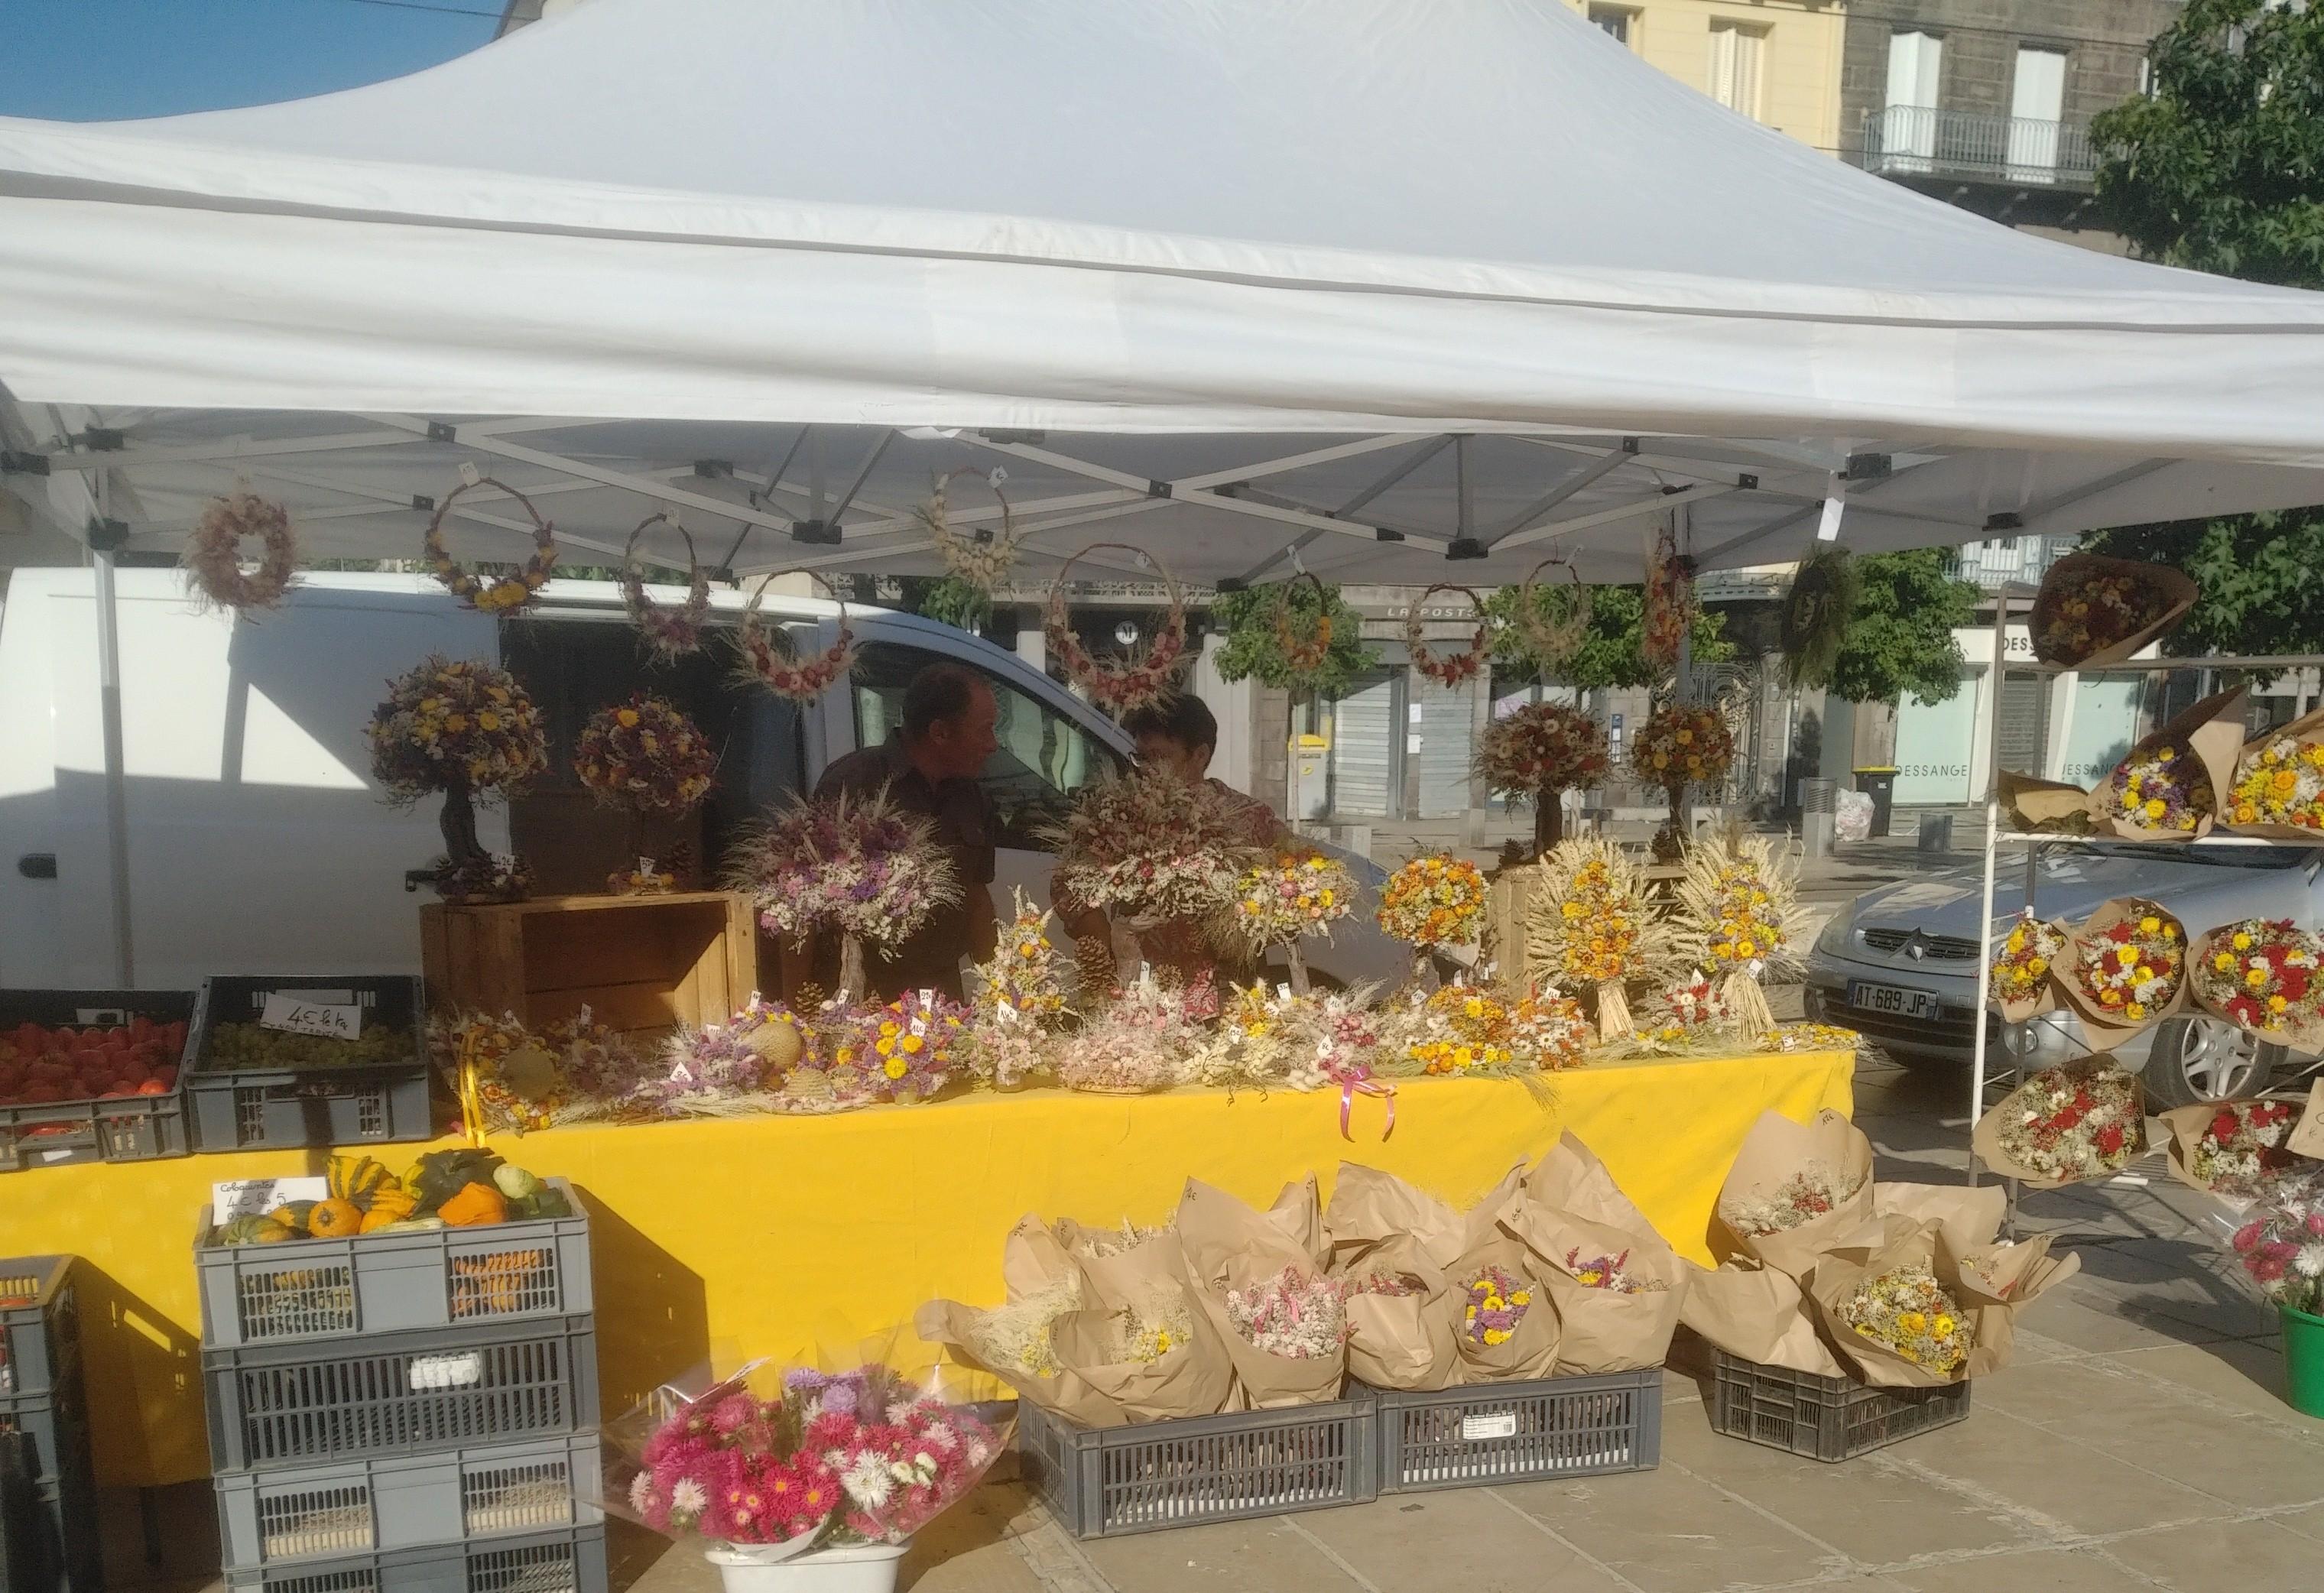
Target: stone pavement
column 2139, row 1441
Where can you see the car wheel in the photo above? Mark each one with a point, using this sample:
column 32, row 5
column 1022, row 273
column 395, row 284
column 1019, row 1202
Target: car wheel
column 2199, row 1059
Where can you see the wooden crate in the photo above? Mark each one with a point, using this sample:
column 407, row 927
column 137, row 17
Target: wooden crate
column 638, row 962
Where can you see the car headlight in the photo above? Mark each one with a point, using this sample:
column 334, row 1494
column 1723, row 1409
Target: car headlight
column 1832, row 942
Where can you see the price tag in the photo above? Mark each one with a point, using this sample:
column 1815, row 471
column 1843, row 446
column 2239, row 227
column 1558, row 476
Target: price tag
column 1282, row 992
column 1005, row 1012
column 101, row 1017
column 1489, row 1425
column 254, row 1197
column 919, row 1026
column 645, row 868
column 459, row 1371
column 293, row 1012
column 928, row 998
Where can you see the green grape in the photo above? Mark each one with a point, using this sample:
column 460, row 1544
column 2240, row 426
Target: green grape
column 247, row 1047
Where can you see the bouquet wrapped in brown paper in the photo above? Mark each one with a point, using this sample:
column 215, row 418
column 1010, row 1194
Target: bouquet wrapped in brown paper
column 1795, row 1190
column 2229, row 1147
column 2278, row 789
column 2025, row 958
column 1617, row 1290
column 1571, row 1178
column 1913, row 1313
column 1015, row 1340
column 2093, row 610
column 2265, row 975
column 1369, row 1208
column 2125, row 968
column 1142, row 1339
column 1970, row 1218
column 1263, row 1289
column 2065, row 1125
column 2175, row 783
column 1503, row 1325
column 2036, row 806
column 1400, row 1317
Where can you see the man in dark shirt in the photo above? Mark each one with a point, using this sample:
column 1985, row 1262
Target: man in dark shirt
column 930, row 768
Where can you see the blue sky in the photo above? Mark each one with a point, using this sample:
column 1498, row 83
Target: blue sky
column 98, row 59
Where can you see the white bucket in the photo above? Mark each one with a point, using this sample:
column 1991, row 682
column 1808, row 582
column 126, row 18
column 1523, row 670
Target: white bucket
column 772, row 1567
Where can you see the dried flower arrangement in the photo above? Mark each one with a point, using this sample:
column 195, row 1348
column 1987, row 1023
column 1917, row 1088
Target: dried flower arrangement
column 1451, row 670
column 1299, row 892
column 777, row 664
column 1117, row 685
column 1811, row 1191
column 1018, row 1001
column 981, row 557
column 1538, row 752
column 1153, row 847
column 862, row 867
column 669, row 633
column 1741, row 918
column 1588, row 922
column 213, row 556
column 1909, row 1312
column 499, row 595
column 464, row 729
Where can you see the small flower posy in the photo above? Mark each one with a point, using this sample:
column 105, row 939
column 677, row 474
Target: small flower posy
column 2166, row 789
column 2135, row 968
column 1497, row 1302
column 1297, row 893
column 2281, row 784
column 2028, row 951
column 2261, row 975
column 1549, row 1030
column 1906, row 1309
column 1451, row 670
column 500, row 595
column 1017, row 1000
column 903, row 1050
column 1434, row 901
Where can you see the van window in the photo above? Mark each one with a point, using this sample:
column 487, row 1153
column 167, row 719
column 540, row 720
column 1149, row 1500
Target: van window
column 1045, row 757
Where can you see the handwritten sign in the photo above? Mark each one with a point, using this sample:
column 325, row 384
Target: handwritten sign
column 254, row 1197
column 295, row 1012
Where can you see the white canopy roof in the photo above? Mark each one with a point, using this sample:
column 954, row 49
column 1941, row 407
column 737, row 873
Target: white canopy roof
column 1238, row 262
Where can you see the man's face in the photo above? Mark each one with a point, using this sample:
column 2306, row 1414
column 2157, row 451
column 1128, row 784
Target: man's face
column 964, row 743
column 1156, row 750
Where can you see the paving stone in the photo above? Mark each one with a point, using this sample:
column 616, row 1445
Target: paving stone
column 2039, row 1570
column 2062, row 1489
column 2242, row 1374
column 1465, row 1538
column 1232, row 1557
column 2217, row 1555
column 1877, row 1515
column 1667, row 1532
column 2243, row 1461
column 966, row 1549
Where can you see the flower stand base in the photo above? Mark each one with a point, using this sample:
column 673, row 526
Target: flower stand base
column 859, row 1567
column 2303, row 1361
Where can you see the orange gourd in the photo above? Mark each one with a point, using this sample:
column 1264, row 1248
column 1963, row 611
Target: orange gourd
column 334, row 1219
column 474, row 1205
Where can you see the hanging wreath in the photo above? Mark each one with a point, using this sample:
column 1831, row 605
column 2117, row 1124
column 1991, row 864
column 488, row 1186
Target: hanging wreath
column 779, row 667
column 213, row 556
column 1304, row 656
column 1118, row 685
column 1670, row 601
column 1816, row 613
column 670, row 633
column 981, row 557
column 500, row 595
column 1549, row 641
column 1455, row 668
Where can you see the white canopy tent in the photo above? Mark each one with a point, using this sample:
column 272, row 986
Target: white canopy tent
column 1389, row 279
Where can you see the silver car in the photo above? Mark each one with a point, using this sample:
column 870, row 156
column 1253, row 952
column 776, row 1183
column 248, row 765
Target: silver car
column 1899, row 963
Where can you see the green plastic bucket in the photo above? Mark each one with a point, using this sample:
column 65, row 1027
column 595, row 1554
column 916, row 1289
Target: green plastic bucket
column 2303, row 1361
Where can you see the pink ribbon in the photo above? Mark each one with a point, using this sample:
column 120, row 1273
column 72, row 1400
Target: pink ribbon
column 1352, row 1088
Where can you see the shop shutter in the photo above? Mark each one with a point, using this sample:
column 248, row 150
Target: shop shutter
column 1363, row 754
column 2024, row 722
column 1447, row 742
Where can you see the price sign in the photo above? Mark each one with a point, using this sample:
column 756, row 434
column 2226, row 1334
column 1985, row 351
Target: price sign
column 254, row 1197
column 645, row 868
column 1487, row 1424
column 293, row 1012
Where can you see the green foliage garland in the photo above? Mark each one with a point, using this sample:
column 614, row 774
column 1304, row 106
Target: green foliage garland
column 1816, row 611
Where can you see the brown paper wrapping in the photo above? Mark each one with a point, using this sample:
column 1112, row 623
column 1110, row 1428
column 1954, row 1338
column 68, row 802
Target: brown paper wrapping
column 2307, row 1135
column 2304, row 1028
column 1197, row 1380
column 1531, row 1348
column 2043, row 807
column 1970, row 1218
column 1571, row 1178
column 1990, row 1285
column 1402, row 1342
column 1774, row 1150
column 1229, row 1245
column 1985, row 1138
column 2174, row 585
column 1370, row 1207
column 1597, row 1330
column 2308, row 727
column 2047, row 996
column 2105, row 1027
column 1759, row 1313
column 1032, row 1260
column 2213, row 731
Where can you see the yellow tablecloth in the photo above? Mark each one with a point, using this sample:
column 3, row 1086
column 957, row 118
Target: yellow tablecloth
column 776, row 1234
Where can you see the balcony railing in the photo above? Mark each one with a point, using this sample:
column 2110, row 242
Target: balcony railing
column 1905, row 141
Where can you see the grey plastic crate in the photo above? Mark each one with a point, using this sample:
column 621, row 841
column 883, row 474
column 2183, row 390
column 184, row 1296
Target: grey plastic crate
column 407, row 1502
column 297, row 1405
column 56, row 1426
column 1109, row 1481
column 131, row 1128
column 1519, row 1431
column 309, row 1289
column 568, row 1561
column 248, row 1109
column 1822, row 1418
column 47, row 1535
column 40, row 1332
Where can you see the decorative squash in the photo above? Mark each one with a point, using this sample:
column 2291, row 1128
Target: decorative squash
column 475, row 1206
column 352, row 1178
column 392, row 1200
column 293, row 1216
column 253, row 1230
column 334, row 1219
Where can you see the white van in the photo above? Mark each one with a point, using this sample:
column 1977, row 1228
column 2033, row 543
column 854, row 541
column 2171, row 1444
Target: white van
column 259, row 844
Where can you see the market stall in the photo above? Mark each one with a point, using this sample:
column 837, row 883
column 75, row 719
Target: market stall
column 777, row 1235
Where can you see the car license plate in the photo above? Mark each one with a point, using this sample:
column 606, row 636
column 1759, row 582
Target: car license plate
column 1896, row 1000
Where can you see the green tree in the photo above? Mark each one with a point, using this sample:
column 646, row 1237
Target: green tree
column 1612, row 654
column 1900, row 638
column 2222, row 169
column 948, row 600
column 1254, row 649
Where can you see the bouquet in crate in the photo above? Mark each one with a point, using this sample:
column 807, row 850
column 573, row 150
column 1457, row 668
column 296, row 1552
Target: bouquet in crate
column 1616, row 1283
column 1399, row 1252
column 1259, row 1278
column 1910, row 1310
column 2260, row 975
column 2234, row 1148
column 1795, row 1190
column 2065, row 1125
column 801, row 1468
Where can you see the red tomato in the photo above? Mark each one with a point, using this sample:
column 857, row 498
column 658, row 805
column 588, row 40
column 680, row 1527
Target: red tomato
column 152, row 1087
column 167, row 1077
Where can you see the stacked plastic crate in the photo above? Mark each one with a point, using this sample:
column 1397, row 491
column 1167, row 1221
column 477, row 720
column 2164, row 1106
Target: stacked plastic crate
column 48, row 1516
column 407, row 1413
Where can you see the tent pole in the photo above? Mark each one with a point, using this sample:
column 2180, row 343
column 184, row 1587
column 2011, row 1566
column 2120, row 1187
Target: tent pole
column 1992, row 830
column 116, row 789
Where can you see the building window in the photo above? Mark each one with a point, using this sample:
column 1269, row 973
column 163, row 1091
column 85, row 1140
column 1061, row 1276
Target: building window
column 2037, row 101
column 1737, row 53
column 1907, row 131
column 1619, row 21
